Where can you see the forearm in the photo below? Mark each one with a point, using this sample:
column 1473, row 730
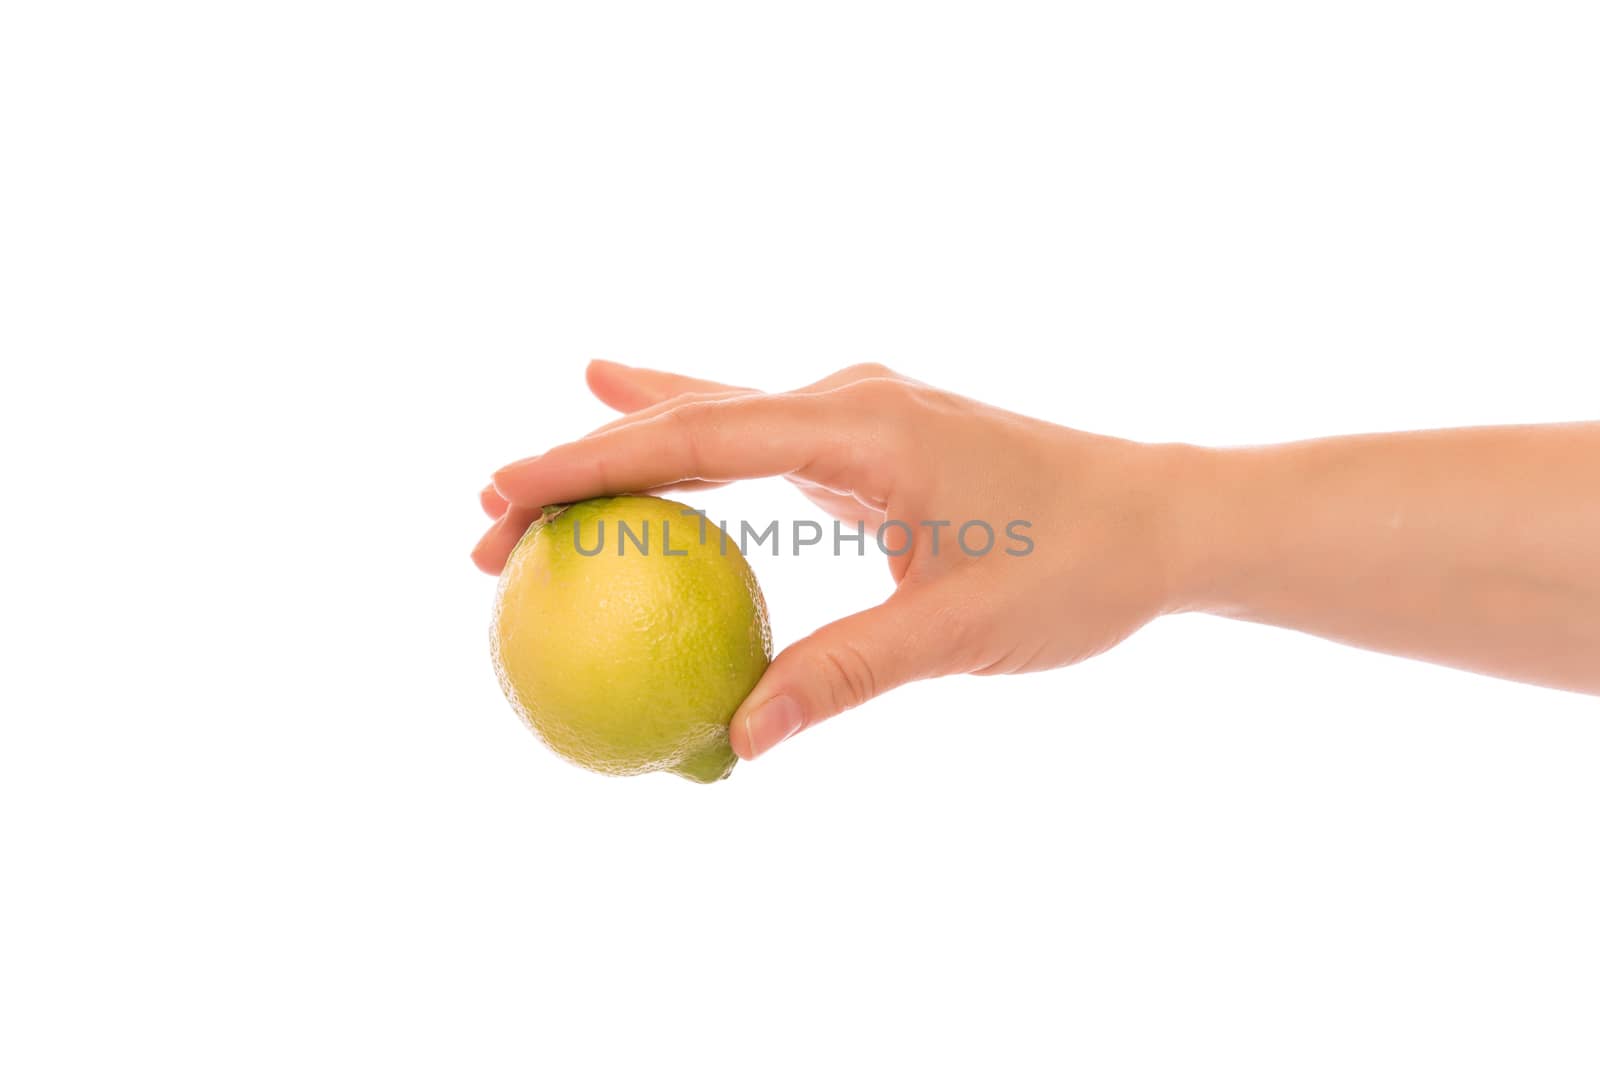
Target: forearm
column 1478, row 548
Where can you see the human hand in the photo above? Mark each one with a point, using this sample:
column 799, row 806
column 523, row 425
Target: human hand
column 915, row 464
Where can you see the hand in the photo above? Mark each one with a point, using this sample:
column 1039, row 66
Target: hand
column 869, row 445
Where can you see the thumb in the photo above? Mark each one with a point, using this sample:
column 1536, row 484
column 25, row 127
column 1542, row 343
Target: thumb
column 844, row 664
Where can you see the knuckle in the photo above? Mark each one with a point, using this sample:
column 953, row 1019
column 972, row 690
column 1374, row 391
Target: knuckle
column 885, row 394
column 860, row 371
column 954, row 618
column 689, row 422
column 700, row 414
column 961, row 630
column 683, row 420
column 887, row 404
column 684, row 399
column 848, row 675
column 931, row 401
column 691, row 408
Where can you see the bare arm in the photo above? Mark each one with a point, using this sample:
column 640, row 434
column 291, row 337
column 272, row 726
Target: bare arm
column 1477, row 548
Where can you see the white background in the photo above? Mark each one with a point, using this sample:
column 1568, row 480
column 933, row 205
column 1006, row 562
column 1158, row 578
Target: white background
column 280, row 284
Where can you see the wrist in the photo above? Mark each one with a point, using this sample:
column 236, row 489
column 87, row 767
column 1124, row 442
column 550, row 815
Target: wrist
column 1213, row 526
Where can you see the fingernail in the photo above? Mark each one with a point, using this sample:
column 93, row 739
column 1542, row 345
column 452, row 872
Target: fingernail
column 777, row 720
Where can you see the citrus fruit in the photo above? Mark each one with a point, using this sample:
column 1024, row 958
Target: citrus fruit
column 627, row 630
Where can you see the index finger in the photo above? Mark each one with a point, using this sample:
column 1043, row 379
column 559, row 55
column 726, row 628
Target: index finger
column 757, row 435
column 631, row 389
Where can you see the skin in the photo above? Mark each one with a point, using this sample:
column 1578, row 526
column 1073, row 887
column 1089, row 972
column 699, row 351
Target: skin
column 1477, row 548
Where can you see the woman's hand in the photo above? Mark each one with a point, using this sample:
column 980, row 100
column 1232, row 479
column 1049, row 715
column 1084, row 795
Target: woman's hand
column 870, row 446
